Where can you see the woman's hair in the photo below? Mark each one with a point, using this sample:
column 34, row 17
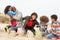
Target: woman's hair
column 44, row 19
column 7, row 9
column 34, row 14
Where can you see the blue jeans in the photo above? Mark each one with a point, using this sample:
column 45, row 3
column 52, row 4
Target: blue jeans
column 50, row 36
column 13, row 28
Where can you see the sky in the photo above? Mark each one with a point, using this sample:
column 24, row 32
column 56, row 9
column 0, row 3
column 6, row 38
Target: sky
column 41, row 7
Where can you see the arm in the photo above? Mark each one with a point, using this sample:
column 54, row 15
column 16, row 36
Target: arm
column 24, row 18
column 18, row 15
column 37, row 24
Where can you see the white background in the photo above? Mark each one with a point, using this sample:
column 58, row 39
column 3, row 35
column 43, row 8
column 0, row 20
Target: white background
column 41, row 7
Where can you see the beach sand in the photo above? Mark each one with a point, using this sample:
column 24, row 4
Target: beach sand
column 6, row 36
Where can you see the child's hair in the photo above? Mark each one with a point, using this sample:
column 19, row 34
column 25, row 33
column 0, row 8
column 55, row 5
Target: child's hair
column 54, row 17
column 7, row 9
column 44, row 19
column 34, row 14
column 13, row 9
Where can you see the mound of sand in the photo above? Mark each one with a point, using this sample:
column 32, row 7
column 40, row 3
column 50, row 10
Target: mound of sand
column 4, row 18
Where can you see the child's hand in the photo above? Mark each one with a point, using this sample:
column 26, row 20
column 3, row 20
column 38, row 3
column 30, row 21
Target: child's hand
column 54, row 32
column 58, row 32
column 49, row 31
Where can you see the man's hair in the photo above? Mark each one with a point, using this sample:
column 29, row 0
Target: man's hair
column 44, row 19
column 54, row 17
column 34, row 14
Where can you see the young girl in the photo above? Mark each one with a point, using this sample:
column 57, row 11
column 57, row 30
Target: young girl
column 9, row 11
column 16, row 17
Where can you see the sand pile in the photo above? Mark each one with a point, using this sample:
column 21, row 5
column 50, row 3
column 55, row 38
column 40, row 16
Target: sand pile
column 4, row 18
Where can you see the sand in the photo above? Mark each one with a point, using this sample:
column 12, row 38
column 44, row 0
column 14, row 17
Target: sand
column 12, row 36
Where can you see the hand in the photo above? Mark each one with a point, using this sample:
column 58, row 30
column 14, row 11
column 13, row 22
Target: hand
column 49, row 31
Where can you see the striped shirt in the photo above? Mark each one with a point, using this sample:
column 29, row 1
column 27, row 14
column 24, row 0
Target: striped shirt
column 55, row 26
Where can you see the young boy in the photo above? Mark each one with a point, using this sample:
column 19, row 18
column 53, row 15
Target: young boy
column 43, row 25
column 30, row 22
column 55, row 27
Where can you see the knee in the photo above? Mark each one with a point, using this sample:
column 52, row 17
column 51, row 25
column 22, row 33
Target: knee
column 49, row 36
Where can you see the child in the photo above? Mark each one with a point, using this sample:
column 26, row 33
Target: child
column 55, row 27
column 8, row 11
column 43, row 25
column 13, row 24
column 30, row 22
column 18, row 17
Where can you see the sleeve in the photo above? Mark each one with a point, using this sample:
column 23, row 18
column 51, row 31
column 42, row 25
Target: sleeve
column 59, row 23
column 37, row 24
column 18, row 15
column 24, row 18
